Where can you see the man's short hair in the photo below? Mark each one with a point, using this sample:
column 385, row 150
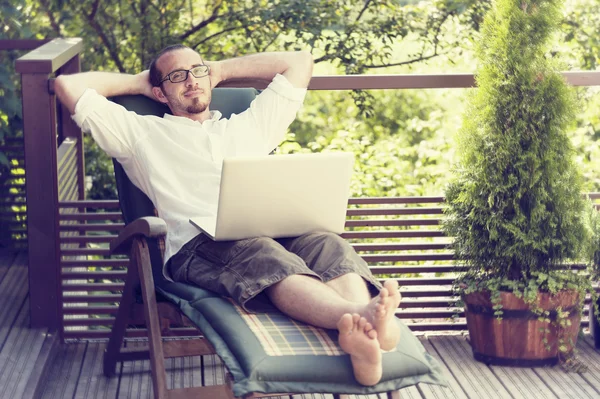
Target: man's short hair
column 155, row 73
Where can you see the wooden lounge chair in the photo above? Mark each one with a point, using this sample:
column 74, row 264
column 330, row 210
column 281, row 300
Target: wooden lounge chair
column 264, row 353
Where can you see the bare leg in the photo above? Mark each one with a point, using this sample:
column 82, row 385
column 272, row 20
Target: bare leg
column 352, row 287
column 309, row 300
column 359, row 340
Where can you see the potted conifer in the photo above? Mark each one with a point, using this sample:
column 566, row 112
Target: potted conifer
column 515, row 207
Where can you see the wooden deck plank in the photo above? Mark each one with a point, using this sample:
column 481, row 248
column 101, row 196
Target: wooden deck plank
column 64, row 370
column 40, row 371
column 523, row 382
column 92, row 383
column 14, row 288
column 430, row 391
column 214, row 370
column 184, row 372
column 566, row 385
column 476, row 379
column 7, row 258
column 19, row 355
column 411, row 392
column 590, row 356
column 135, row 380
column 573, row 385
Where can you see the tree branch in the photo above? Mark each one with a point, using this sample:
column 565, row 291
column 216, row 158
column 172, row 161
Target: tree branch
column 271, row 42
column 364, row 9
column 96, row 26
column 421, row 58
column 55, row 26
column 92, row 14
column 194, row 29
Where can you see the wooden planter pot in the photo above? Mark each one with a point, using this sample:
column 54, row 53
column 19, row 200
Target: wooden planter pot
column 517, row 339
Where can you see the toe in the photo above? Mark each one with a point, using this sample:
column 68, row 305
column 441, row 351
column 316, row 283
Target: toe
column 361, row 323
column 371, row 334
column 345, row 324
column 391, row 285
column 384, row 293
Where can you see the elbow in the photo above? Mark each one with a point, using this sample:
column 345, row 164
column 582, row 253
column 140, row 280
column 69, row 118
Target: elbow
column 305, row 58
column 303, row 65
column 62, row 91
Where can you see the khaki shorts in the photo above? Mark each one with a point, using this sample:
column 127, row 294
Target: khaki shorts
column 243, row 269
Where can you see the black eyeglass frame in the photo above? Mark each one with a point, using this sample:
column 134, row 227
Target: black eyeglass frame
column 187, row 72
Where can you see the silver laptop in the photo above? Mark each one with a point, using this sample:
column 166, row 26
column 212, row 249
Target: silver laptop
column 281, row 196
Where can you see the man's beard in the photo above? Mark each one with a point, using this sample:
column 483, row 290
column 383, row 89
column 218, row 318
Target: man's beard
column 196, row 107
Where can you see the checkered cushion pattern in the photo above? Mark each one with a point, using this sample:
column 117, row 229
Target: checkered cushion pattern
column 281, row 336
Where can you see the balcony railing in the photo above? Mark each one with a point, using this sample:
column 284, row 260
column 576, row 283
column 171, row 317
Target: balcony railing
column 74, row 284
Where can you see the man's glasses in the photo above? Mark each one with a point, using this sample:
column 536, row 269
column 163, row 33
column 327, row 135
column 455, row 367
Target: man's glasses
column 182, row 74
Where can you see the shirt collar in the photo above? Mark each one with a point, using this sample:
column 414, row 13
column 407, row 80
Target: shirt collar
column 214, row 116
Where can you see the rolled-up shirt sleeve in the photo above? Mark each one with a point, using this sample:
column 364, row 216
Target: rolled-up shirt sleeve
column 263, row 126
column 113, row 128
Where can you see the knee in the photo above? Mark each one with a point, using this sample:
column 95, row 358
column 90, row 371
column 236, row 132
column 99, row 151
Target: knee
column 326, row 238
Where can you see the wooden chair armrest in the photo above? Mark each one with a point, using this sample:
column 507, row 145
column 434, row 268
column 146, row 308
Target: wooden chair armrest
column 146, row 227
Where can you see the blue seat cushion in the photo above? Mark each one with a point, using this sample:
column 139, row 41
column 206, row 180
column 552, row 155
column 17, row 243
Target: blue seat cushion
column 271, row 353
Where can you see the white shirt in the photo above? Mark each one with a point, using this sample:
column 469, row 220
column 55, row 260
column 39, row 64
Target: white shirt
column 176, row 161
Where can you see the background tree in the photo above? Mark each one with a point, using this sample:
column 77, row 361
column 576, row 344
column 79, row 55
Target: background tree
column 413, row 129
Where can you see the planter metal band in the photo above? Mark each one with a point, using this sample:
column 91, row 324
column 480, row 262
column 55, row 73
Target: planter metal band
column 501, row 361
column 519, row 314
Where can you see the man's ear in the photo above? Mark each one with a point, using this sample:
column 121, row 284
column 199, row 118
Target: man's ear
column 159, row 95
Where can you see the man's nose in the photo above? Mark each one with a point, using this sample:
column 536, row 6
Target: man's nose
column 190, row 78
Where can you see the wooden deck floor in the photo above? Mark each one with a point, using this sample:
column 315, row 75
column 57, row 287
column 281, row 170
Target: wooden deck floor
column 32, row 367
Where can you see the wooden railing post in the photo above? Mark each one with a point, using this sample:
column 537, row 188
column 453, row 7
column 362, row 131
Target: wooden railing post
column 42, row 199
column 40, row 144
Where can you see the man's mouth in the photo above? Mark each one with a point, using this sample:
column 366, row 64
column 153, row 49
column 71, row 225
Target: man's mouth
column 192, row 93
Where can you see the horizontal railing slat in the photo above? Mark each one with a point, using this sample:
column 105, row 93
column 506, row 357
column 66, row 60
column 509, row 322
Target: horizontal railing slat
column 394, row 200
column 399, row 247
column 106, row 298
column 93, row 275
column 95, row 262
column 92, row 227
column 392, row 222
column 394, row 211
column 92, row 216
column 68, row 287
column 84, row 251
column 353, row 235
column 407, row 258
column 83, row 239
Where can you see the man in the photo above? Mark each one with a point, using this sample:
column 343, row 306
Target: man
column 176, row 161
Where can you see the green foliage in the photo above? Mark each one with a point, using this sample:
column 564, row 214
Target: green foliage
column 581, row 28
column 351, row 33
column 404, row 151
column 11, row 123
column 100, row 181
column 515, row 206
column 352, row 36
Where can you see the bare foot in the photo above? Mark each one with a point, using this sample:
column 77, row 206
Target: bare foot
column 382, row 312
column 359, row 339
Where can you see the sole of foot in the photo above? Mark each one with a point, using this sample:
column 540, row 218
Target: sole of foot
column 358, row 338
